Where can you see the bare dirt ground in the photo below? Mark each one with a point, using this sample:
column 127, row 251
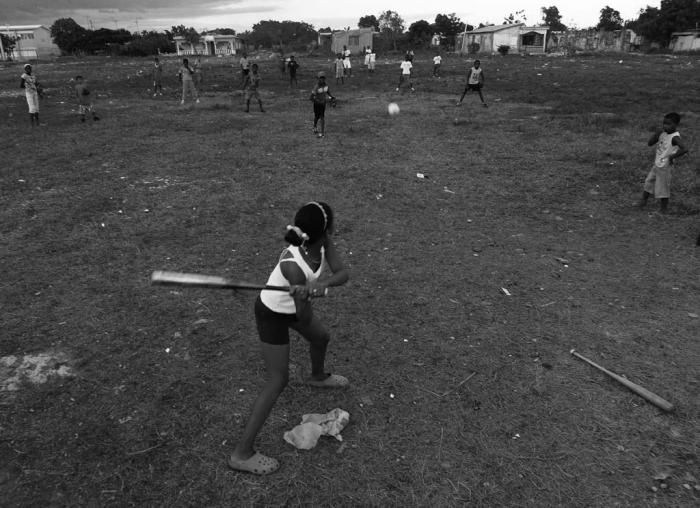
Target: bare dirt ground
column 532, row 195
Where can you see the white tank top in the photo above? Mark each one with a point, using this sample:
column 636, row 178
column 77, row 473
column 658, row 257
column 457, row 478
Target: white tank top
column 665, row 148
column 279, row 301
column 474, row 76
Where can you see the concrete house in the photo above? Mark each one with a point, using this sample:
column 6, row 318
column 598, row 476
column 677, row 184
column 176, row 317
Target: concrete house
column 685, row 41
column 209, row 44
column 32, row 42
column 355, row 40
column 488, row 38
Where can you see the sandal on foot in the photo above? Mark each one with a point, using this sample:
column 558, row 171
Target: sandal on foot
column 332, row 381
column 257, row 464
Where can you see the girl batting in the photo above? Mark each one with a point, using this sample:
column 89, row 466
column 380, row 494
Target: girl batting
column 310, row 252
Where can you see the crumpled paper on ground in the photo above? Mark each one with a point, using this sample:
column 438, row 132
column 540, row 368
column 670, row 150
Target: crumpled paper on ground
column 305, row 435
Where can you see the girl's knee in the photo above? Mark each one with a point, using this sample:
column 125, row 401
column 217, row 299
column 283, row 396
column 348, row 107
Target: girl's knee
column 322, row 339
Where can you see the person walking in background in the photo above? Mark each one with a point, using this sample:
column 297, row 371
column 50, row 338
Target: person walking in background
column 32, row 91
column 186, row 77
column 292, row 66
column 347, row 65
column 197, row 77
column 321, row 95
column 157, row 77
column 437, row 62
column 339, row 69
column 244, row 66
column 406, row 73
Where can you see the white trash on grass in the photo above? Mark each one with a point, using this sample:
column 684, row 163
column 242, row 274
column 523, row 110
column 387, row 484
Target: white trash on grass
column 305, row 435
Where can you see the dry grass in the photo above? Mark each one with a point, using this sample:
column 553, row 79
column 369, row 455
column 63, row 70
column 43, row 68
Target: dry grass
column 548, row 171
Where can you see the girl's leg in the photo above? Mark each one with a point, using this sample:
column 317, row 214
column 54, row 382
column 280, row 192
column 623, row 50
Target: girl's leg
column 466, row 89
column 260, row 104
column 318, row 338
column 277, row 365
column 481, row 96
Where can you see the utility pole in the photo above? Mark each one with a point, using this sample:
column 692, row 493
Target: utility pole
column 137, row 26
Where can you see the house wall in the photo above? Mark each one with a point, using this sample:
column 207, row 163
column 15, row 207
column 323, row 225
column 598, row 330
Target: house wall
column 355, row 40
column 32, row 43
column 690, row 42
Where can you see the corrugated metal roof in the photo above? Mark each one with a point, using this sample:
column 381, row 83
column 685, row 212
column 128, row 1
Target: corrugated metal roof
column 13, row 28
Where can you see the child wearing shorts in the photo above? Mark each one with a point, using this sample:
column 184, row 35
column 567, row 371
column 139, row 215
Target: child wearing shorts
column 320, row 95
column 82, row 94
column 475, row 82
column 668, row 147
column 251, row 85
column 300, row 266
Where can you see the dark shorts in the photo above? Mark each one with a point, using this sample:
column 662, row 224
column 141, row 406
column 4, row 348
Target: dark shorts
column 476, row 87
column 319, row 110
column 245, row 71
column 273, row 327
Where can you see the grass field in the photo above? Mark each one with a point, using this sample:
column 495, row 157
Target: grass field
column 533, row 194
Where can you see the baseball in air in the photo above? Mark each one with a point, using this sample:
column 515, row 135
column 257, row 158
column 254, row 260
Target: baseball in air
column 393, row 109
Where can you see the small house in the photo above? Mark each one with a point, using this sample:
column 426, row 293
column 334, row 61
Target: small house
column 685, row 41
column 209, row 44
column 355, row 40
column 31, row 42
column 487, row 39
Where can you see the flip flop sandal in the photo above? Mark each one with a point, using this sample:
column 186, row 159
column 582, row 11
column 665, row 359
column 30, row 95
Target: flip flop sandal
column 332, row 381
column 257, row 464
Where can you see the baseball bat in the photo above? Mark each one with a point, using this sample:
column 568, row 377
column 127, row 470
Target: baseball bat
column 165, row 278
column 639, row 390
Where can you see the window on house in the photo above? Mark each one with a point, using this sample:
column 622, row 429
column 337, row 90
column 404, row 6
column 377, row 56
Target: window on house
column 354, row 40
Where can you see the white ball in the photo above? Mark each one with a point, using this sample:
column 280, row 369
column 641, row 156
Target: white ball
column 393, row 109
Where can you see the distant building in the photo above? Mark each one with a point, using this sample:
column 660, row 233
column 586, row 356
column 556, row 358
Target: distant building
column 210, row 44
column 533, row 40
column 487, row 39
column 31, row 42
column 356, row 40
column 685, row 41
column 591, row 39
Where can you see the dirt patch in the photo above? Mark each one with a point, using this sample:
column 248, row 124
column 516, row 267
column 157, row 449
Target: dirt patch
column 36, row 369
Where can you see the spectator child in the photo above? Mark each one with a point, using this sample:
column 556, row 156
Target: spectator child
column 32, row 91
column 157, row 77
column 186, row 77
column 251, row 86
column 339, row 69
column 668, row 148
column 292, row 65
column 320, row 95
column 406, row 71
column 437, row 61
column 82, row 94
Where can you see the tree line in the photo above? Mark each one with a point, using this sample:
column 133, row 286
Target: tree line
column 653, row 23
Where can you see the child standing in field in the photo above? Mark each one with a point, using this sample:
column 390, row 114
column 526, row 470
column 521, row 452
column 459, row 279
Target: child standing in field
column 668, row 147
column 437, row 61
column 320, row 95
column 251, row 86
column 310, row 251
column 292, row 66
column 475, row 82
column 244, row 65
column 339, row 69
column 186, row 77
column 32, row 91
column 346, row 61
column 157, row 77
column 197, row 74
column 82, row 94
column 372, row 61
column 406, row 71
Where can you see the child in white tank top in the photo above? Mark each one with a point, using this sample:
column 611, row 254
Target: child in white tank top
column 311, row 253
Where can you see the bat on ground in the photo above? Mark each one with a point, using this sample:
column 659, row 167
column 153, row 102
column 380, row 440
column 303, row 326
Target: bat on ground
column 165, row 278
column 639, row 390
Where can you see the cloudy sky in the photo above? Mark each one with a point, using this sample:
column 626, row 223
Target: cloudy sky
column 242, row 14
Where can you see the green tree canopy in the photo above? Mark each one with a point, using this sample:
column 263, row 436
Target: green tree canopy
column 270, row 33
column 68, row 35
column 610, row 19
column 391, row 25
column 552, row 18
column 420, row 33
column 657, row 24
column 369, row 21
column 190, row 34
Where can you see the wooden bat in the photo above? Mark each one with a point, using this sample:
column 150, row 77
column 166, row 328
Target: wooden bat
column 165, row 278
column 639, row 390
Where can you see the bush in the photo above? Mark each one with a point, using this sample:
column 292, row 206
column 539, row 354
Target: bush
column 503, row 49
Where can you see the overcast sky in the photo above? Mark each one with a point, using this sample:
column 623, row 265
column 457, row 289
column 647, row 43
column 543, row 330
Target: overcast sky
column 242, row 14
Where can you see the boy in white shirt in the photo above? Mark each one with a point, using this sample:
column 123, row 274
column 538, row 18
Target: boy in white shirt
column 406, row 72
column 437, row 60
